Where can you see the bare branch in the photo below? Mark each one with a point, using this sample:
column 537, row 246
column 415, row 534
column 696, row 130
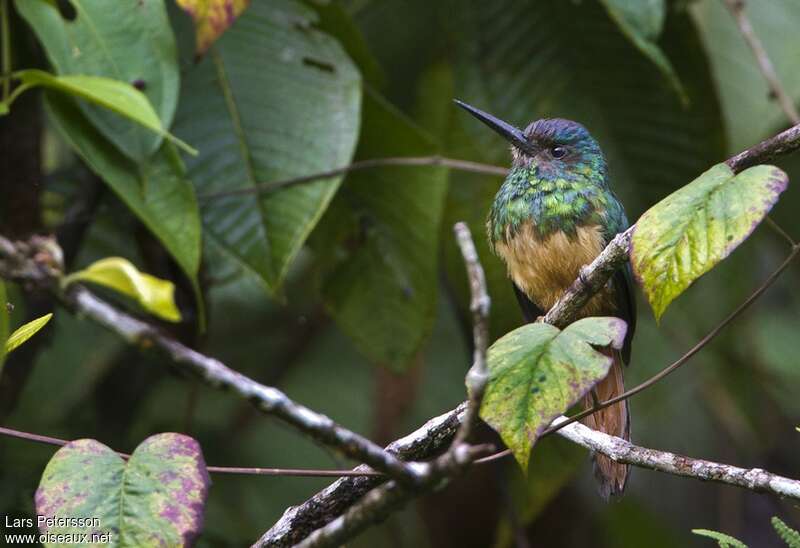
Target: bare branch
column 736, row 7
column 16, row 260
column 299, row 521
column 620, row 450
column 478, row 375
column 783, row 143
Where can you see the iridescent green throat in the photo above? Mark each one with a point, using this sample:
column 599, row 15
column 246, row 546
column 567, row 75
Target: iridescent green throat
column 560, row 201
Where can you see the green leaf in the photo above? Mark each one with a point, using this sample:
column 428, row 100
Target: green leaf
column 120, row 97
column 4, row 328
column 212, row 18
column 156, row 499
column 642, row 22
column 687, row 233
column 291, row 109
column 750, row 113
column 787, row 534
column 724, row 541
column 156, row 191
column 155, row 295
column 25, row 332
column 538, row 372
column 379, row 242
column 126, row 40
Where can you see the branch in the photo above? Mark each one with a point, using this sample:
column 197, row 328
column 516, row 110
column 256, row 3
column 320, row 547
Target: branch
column 35, row 260
column 300, row 521
column 322, row 508
column 620, row 450
column 478, row 375
column 736, row 7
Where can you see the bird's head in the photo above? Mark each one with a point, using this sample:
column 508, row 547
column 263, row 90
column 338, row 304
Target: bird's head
column 553, row 147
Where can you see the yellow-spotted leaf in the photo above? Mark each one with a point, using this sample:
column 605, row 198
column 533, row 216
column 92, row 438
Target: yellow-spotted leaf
column 25, row 332
column 155, row 295
column 117, row 96
column 212, row 18
column 537, row 372
column 687, row 233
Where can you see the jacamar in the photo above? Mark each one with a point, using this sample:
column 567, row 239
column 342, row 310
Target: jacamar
column 554, row 213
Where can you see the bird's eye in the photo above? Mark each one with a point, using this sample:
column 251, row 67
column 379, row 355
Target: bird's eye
column 558, row 152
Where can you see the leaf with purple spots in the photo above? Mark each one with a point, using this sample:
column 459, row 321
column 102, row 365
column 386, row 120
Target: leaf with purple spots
column 212, row 18
column 538, row 372
column 157, row 498
column 687, row 233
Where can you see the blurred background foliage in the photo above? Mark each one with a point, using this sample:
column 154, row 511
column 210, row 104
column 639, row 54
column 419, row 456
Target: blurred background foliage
column 348, row 292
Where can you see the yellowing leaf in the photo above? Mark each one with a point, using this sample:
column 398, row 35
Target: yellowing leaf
column 117, row 96
column 26, row 332
column 684, row 235
column 153, row 294
column 212, row 18
column 538, row 372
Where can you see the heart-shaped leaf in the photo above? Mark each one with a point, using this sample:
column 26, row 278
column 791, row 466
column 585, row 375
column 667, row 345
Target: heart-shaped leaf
column 25, row 332
column 212, row 18
column 153, row 294
column 157, row 498
column 127, row 40
column 537, row 372
column 684, row 235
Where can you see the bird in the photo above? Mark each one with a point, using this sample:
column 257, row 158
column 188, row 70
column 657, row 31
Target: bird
column 553, row 214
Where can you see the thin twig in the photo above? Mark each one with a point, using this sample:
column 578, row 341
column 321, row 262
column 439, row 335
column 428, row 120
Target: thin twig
column 783, row 143
column 296, row 472
column 736, row 7
column 6, row 47
column 478, row 375
column 401, row 161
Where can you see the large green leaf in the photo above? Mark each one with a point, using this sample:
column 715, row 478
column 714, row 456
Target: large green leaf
column 538, row 372
column 380, row 242
column 157, row 191
column 127, row 40
column 156, row 499
column 750, row 113
column 273, row 98
column 691, row 230
column 642, row 22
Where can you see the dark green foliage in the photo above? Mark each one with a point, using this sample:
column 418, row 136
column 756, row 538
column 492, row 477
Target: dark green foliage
column 320, row 287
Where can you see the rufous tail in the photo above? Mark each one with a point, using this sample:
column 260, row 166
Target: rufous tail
column 614, row 420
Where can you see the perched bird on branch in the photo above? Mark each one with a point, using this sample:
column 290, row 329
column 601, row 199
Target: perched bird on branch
column 555, row 213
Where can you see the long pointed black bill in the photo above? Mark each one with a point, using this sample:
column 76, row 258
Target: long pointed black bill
column 512, row 134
